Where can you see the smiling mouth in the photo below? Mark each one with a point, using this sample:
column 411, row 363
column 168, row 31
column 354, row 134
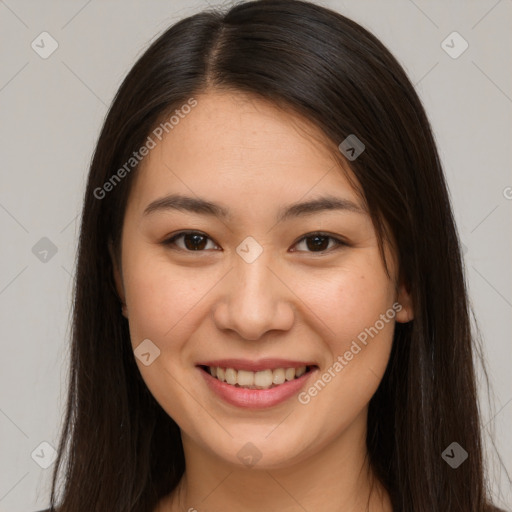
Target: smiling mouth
column 264, row 379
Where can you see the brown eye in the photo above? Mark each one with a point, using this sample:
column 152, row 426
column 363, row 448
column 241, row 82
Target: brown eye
column 192, row 241
column 319, row 242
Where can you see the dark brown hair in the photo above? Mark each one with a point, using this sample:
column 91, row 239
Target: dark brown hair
column 119, row 450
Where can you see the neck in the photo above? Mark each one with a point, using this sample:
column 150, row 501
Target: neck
column 334, row 479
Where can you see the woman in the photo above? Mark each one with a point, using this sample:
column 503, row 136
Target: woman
column 270, row 310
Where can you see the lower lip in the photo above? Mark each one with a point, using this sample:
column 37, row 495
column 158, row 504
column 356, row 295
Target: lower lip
column 255, row 398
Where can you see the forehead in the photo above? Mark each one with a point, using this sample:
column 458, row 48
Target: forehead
column 238, row 147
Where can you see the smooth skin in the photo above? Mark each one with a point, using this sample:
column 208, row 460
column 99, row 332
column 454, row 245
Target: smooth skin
column 298, row 300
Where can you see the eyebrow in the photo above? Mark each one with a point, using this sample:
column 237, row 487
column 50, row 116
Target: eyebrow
column 203, row 207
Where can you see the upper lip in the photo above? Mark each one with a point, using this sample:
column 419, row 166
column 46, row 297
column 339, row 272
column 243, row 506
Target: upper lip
column 255, row 366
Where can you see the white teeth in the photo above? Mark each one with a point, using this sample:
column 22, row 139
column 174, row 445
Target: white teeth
column 245, row 378
column 230, row 376
column 289, row 373
column 264, row 379
column 300, row 371
column 278, row 376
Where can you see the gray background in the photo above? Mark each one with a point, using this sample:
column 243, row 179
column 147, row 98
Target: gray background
column 51, row 112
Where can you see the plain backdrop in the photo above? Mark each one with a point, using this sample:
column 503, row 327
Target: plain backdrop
column 51, row 111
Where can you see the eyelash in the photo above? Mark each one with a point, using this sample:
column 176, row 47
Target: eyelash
column 338, row 243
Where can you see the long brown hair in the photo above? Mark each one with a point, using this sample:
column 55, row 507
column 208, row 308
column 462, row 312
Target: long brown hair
column 119, row 451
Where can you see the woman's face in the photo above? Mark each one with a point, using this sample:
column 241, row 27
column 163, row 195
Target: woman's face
column 255, row 296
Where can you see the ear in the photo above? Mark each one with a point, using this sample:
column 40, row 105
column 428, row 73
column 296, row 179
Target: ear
column 406, row 313
column 117, row 275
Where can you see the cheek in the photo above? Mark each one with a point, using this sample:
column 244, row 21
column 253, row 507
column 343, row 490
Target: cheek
column 349, row 299
column 354, row 308
column 164, row 300
column 163, row 306
column 356, row 349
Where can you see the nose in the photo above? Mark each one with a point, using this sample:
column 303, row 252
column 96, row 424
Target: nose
column 255, row 299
